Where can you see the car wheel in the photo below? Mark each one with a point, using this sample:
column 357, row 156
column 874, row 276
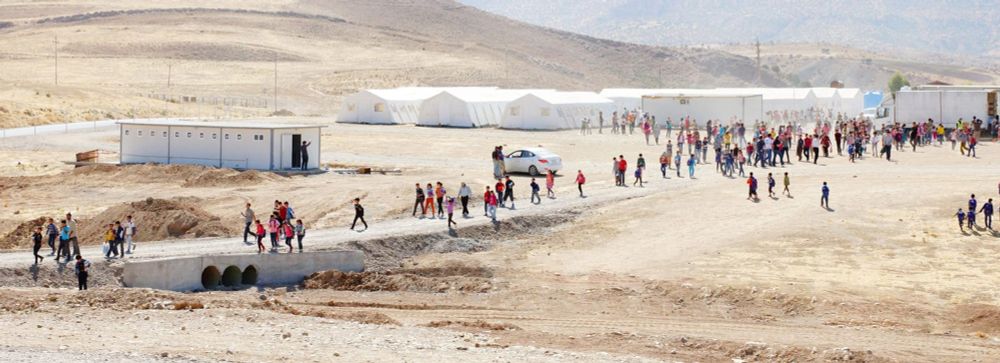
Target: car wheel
column 533, row 170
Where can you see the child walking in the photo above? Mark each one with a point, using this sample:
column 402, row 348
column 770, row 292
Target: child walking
column 451, row 211
column 550, row 182
column 36, row 237
column 300, row 232
column 259, row 227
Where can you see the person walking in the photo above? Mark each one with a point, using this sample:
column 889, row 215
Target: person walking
column 677, row 163
column 439, row 194
column 53, row 233
column 359, row 213
column 961, row 219
column 304, row 152
column 64, row 245
column 272, row 230
column 498, row 188
column 429, row 199
column 622, row 170
column 770, row 185
column 109, row 241
column 450, row 205
column 260, row 236
column 82, row 269
column 691, row 162
column 638, row 177
column 36, row 239
column 751, row 187
column 490, row 201
column 787, row 183
column 74, row 242
column 987, row 212
column 419, row 203
column 120, row 238
column 130, row 232
column 535, row 189
column 550, row 182
column 824, row 200
column 289, row 232
column 248, row 218
column 300, row 232
column 664, row 164
column 508, row 192
column 580, row 180
column 464, row 192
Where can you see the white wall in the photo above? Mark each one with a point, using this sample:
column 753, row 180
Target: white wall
column 246, row 148
column 942, row 106
column 194, row 145
column 447, row 110
column 703, row 109
column 142, row 144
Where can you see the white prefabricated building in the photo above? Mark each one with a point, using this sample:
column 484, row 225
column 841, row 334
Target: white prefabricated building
column 389, row 106
column 704, row 106
column 780, row 99
column 631, row 98
column 237, row 145
column 468, row 107
column 945, row 106
column 555, row 110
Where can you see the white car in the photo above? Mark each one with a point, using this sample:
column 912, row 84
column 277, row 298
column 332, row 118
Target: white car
column 534, row 161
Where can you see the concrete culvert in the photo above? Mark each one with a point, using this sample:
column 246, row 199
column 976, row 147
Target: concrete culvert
column 250, row 275
column 231, row 276
column 210, row 277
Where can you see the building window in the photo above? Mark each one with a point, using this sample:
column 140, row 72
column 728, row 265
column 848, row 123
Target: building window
column 177, row 134
column 379, row 107
column 225, row 136
column 126, row 132
column 189, row 135
column 140, row 132
column 515, row 111
column 215, row 136
column 545, row 111
column 165, row 134
column 238, row 136
column 201, row 135
column 152, row 133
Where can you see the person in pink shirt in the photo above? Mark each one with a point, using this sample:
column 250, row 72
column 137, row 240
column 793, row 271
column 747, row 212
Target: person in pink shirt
column 490, row 200
column 450, row 207
column 289, row 232
column 272, row 229
column 580, row 180
column 550, row 182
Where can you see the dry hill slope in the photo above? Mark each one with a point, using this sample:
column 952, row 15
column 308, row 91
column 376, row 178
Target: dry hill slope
column 116, row 59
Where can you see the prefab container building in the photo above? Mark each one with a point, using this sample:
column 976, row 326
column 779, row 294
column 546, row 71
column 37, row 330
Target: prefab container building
column 554, row 110
column 631, row 98
column 237, row 145
column 945, row 106
column 704, row 106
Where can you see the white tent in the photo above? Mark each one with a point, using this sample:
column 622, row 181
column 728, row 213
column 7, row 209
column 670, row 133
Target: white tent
column 554, row 110
column 851, row 102
column 945, row 106
column 826, row 97
column 389, row 106
column 468, row 107
column 705, row 105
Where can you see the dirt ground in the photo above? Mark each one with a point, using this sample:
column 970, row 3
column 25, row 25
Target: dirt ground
column 681, row 270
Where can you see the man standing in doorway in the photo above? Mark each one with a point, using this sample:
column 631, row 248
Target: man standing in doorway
column 304, row 152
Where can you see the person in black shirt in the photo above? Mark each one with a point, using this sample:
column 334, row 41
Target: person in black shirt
column 359, row 213
column 419, row 202
column 509, row 191
column 82, row 271
column 36, row 237
column 304, row 152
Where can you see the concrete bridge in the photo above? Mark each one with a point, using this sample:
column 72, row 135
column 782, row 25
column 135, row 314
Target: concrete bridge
column 215, row 271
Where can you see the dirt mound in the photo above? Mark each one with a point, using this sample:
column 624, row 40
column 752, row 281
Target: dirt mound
column 977, row 318
column 477, row 325
column 158, row 219
column 20, row 237
column 186, row 175
column 439, row 279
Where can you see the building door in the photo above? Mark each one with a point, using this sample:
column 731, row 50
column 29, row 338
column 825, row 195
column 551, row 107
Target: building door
column 296, row 151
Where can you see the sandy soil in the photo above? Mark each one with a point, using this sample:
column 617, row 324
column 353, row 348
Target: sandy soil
column 681, row 270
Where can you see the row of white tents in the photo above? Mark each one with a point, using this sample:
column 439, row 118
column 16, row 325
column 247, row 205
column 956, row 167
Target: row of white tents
column 548, row 109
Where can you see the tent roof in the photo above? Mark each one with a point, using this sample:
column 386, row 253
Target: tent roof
column 490, row 95
column 638, row 92
column 774, row 93
column 848, row 92
column 566, row 98
column 419, row 93
column 824, row 92
column 711, row 93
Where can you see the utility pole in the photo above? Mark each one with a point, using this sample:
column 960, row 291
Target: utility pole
column 757, row 44
column 55, row 51
column 276, row 82
column 169, row 73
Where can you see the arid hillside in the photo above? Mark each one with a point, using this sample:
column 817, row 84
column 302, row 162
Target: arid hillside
column 146, row 59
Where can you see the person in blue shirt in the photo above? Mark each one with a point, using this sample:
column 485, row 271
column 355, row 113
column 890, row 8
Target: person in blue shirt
column 64, row 235
column 677, row 163
column 770, row 185
column 534, row 192
column 972, row 203
column 987, row 212
column 691, row 162
column 961, row 219
column 824, row 201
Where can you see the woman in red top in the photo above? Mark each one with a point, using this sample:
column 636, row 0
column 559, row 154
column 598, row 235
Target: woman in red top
column 260, row 236
column 289, row 233
column 580, row 180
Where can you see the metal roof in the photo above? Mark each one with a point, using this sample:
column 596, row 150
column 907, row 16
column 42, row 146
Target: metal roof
column 245, row 124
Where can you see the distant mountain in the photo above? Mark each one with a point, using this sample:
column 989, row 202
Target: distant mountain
column 968, row 27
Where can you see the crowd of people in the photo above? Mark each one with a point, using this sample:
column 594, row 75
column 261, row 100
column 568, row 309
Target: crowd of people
column 281, row 226
column 967, row 219
column 64, row 243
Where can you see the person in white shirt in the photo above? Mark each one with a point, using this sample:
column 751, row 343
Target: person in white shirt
column 130, row 230
column 463, row 194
